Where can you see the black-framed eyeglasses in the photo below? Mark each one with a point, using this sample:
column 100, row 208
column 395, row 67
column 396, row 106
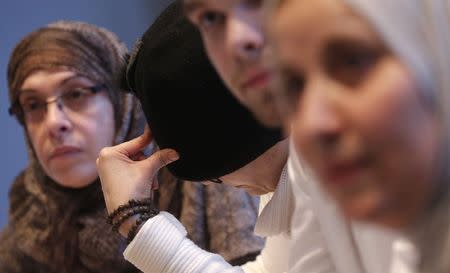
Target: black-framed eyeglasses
column 34, row 109
column 216, row 180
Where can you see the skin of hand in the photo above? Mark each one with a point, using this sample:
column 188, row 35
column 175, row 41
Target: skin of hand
column 126, row 174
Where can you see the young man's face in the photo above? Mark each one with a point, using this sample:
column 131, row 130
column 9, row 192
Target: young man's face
column 235, row 42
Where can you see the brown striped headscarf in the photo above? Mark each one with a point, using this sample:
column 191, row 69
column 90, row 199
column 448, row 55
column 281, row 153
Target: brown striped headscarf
column 52, row 228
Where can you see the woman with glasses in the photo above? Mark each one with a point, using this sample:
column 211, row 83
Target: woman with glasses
column 63, row 91
column 367, row 90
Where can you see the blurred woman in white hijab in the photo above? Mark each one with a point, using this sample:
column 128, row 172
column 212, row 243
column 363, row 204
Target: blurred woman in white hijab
column 366, row 86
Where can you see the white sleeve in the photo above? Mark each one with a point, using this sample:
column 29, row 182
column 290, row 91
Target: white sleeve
column 272, row 258
column 161, row 246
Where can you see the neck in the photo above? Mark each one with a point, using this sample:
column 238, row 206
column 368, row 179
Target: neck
column 269, row 166
column 262, row 174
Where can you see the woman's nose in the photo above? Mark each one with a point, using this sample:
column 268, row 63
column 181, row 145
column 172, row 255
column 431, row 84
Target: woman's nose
column 316, row 118
column 56, row 119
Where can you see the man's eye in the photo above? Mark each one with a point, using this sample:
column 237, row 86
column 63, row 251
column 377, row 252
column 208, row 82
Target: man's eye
column 211, row 19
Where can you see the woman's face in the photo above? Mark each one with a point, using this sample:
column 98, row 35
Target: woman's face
column 355, row 111
column 70, row 133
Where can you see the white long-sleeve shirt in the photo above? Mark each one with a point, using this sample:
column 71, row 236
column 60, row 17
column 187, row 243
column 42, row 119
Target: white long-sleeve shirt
column 304, row 230
column 161, row 244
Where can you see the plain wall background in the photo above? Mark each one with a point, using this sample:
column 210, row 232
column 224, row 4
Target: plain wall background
column 127, row 18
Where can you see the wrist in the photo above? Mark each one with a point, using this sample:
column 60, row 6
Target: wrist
column 125, row 228
column 128, row 218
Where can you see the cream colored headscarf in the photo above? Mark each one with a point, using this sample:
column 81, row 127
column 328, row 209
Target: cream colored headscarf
column 418, row 32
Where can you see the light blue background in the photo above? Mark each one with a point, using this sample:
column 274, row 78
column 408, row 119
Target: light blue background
column 127, row 18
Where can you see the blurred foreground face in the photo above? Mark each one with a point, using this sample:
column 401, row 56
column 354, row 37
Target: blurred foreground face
column 68, row 124
column 357, row 116
column 236, row 45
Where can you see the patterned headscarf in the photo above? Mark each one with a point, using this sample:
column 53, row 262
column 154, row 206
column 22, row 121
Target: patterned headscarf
column 52, row 228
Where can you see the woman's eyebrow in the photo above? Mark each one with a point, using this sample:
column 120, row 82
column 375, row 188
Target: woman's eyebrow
column 26, row 90
column 71, row 78
column 63, row 82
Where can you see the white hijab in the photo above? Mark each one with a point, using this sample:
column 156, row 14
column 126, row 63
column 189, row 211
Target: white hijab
column 418, row 32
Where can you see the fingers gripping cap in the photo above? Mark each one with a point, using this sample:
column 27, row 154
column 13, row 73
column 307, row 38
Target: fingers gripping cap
column 187, row 106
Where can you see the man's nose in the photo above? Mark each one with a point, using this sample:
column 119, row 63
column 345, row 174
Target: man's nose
column 245, row 38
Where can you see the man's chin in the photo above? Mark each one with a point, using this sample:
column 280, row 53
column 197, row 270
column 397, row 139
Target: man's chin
column 265, row 111
column 268, row 118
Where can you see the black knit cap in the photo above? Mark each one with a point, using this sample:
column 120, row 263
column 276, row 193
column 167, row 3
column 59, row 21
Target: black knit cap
column 187, row 106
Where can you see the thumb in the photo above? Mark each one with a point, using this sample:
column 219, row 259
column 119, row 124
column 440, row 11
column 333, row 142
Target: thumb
column 159, row 159
column 136, row 145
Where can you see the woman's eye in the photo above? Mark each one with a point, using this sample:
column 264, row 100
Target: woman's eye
column 292, row 84
column 210, row 19
column 349, row 63
column 75, row 94
column 254, row 3
column 30, row 105
column 351, row 68
column 288, row 90
column 357, row 60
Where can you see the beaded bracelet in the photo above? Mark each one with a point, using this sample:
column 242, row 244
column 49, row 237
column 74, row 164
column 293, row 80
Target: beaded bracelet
column 133, row 211
column 142, row 218
column 131, row 203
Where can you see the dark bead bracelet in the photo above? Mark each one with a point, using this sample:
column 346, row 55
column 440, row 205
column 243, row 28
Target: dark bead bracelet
column 142, row 218
column 130, row 204
column 126, row 215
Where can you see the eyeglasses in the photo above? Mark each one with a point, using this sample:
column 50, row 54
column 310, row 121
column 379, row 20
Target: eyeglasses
column 33, row 109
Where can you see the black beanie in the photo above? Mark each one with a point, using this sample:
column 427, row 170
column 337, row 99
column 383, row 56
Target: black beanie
column 187, row 106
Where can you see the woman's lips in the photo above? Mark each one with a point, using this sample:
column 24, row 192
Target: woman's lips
column 64, row 151
column 345, row 172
